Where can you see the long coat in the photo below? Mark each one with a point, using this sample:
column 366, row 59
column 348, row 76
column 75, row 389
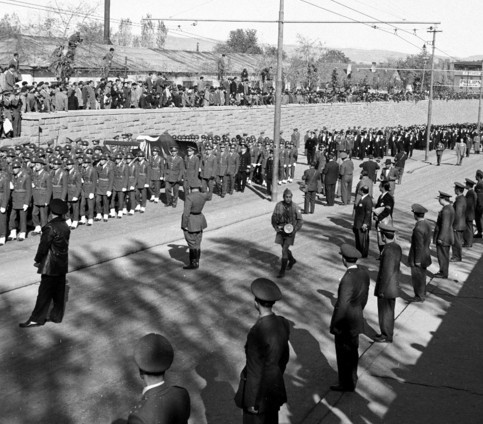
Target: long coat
column 419, row 252
column 267, row 354
column 387, row 284
column 192, row 170
column 444, row 226
column 53, row 251
column 470, row 205
column 363, row 213
column 459, row 205
column 347, row 318
column 162, row 405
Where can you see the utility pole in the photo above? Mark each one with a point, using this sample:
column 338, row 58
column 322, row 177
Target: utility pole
column 478, row 128
column 430, row 103
column 107, row 21
column 278, row 106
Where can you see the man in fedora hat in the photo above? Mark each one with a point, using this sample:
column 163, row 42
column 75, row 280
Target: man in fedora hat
column 161, row 403
column 285, row 214
column 347, row 319
column 52, row 262
column 261, row 390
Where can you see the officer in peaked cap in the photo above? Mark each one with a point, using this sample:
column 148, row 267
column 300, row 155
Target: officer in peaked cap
column 261, row 390
column 161, row 403
column 471, row 200
column 443, row 233
column 419, row 257
column 459, row 224
column 347, row 319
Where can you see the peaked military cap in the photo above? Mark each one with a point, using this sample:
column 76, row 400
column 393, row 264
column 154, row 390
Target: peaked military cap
column 349, row 252
column 459, row 185
column 266, row 290
column 417, row 208
column 153, row 353
column 469, row 182
column 386, row 228
column 443, row 195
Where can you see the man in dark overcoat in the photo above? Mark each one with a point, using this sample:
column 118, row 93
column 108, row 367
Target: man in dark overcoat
column 459, row 223
column 173, row 175
column 347, row 319
column 387, row 284
column 362, row 222
column 419, row 257
column 261, row 391
column 330, row 175
column 52, row 262
column 443, row 236
column 161, row 403
column 193, row 222
column 470, row 212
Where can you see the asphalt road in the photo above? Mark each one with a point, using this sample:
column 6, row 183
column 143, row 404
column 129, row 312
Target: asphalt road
column 127, row 280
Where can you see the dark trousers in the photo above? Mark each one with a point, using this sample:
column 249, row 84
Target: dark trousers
column 385, row 310
column 155, row 188
column 346, row 349
column 242, row 180
column 73, row 212
column 131, row 198
column 207, row 185
column 418, row 279
column 22, row 218
column 172, row 192
column 330, row 194
column 268, row 417
column 442, row 252
column 52, row 288
column 229, row 182
column 193, row 239
column 102, row 204
column 269, row 186
column 458, row 244
column 309, row 201
column 468, row 234
column 362, row 241
column 119, row 195
column 39, row 215
column 439, row 156
column 479, row 221
column 90, row 206
column 142, row 196
column 3, row 224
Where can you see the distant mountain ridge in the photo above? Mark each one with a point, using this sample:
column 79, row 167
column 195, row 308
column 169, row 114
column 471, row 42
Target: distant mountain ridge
column 355, row 55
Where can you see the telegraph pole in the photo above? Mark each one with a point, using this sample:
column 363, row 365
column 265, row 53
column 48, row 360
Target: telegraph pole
column 107, row 21
column 430, row 103
column 278, row 106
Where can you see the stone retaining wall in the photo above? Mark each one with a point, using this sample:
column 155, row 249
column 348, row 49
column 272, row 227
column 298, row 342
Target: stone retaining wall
column 236, row 120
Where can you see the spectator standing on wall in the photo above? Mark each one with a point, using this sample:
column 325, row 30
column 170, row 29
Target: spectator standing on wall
column 221, row 67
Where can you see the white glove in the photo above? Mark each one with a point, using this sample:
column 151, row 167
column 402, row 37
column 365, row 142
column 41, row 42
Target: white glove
column 146, row 185
column 132, row 188
column 91, row 196
column 3, row 210
column 108, row 193
column 11, row 186
column 25, row 207
column 124, row 189
column 74, row 199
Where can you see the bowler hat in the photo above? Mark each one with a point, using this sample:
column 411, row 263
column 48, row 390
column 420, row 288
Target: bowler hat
column 266, row 290
column 153, row 353
column 58, row 207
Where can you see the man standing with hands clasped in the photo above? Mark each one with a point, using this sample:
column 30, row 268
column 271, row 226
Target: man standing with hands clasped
column 261, row 390
column 443, row 236
column 52, row 262
column 286, row 221
column 387, row 284
column 347, row 319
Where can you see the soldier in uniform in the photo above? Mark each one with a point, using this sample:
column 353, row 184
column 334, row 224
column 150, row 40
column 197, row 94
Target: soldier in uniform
column 74, row 188
column 174, row 173
column 131, row 183
column 4, row 200
column 347, row 319
column 208, row 173
column 41, row 193
column 192, row 167
column 419, row 253
column 267, row 171
column 243, row 167
column 161, row 403
column 119, row 186
column 362, row 222
column 443, row 236
column 311, row 177
column 330, row 175
column 470, row 212
column 105, row 180
column 221, row 169
column 346, row 171
column 193, row 222
column 21, row 185
column 89, row 182
column 52, row 262
column 459, row 223
column 156, row 174
column 261, row 390
column 59, row 180
column 286, row 221
column 479, row 204
column 233, row 164
column 142, row 182
column 387, row 283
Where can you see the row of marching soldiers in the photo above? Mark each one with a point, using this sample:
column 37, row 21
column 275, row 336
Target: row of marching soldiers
column 98, row 186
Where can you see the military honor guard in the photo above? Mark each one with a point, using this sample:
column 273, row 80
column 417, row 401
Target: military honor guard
column 89, row 182
column 233, row 164
column 208, row 173
column 74, row 188
column 261, row 391
column 347, row 319
column 41, row 194
column 419, row 257
column 193, row 222
column 142, row 182
column 131, row 184
column 105, row 181
column 192, row 165
column 21, row 192
column 387, row 283
column 443, row 236
column 161, row 402
column 119, row 187
column 173, row 177
column 459, row 223
column 51, row 260
column 4, row 201
column 362, row 221
column 156, row 174
column 286, row 221
column 470, row 212
column 311, row 178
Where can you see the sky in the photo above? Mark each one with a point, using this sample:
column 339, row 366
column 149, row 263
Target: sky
column 461, row 34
